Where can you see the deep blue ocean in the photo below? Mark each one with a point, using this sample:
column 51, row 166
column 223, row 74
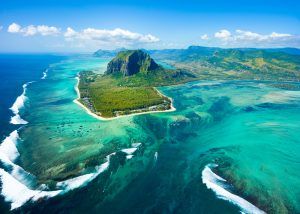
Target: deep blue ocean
column 230, row 146
column 15, row 71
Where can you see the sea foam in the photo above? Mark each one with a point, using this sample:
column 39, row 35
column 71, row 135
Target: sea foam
column 16, row 182
column 155, row 156
column 17, row 193
column 44, row 74
column 19, row 104
column 217, row 184
column 8, row 146
column 208, row 83
column 8, row 154
column 129, row 151
column 83, row 180
column 19, row 186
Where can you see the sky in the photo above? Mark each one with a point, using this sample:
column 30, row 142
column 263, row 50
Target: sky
column 88, row 25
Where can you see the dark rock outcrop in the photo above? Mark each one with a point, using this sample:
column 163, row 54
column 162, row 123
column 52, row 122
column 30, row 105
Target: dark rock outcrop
column 131, row 62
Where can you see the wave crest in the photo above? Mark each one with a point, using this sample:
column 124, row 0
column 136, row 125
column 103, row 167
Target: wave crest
column 19, row 186
column 44, row 74
column 8, row 146
column 19, row 104
column 217, row 184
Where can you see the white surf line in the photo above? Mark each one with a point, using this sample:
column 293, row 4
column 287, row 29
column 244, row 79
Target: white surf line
column 45, row 74
column 120, row 116
column 83, row 180
column 216, row 184
column 18, row 194
column 155, row 157
column 19, row 104
column 16, row 182
column 209, row 83
column 130, row 151
column 8, row 146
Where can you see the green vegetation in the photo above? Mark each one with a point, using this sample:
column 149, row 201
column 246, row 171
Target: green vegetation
column 131, row 62
column 130, row 77
column 217, row 63
column 123, row 91
column 109, row 97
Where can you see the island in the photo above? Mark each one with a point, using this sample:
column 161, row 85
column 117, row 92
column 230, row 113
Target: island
column 128, row 86
column 214, row 63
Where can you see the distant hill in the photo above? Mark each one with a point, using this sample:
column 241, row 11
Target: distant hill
column 108, row 53
column 233, row 63
column 294, row 51
column 194, row 49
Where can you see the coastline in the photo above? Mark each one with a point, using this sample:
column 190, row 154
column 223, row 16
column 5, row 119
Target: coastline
column 120, row 116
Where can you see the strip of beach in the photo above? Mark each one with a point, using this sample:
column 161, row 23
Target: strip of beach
column 119, row 116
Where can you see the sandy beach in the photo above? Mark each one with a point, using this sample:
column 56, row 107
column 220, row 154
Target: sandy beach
column 127, row 115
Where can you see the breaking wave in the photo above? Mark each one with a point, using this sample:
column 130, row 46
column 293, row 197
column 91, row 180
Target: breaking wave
column 209, row 83
column 218, row 185
column 130, row 151
column 19, row 186
column 44, row 74
column 18, row 193
column 8, row 146
column 19, row 104
column 82, row 180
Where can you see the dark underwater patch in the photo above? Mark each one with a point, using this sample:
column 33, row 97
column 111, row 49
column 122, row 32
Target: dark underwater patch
column 60, row 102
column 276, row 105
column 220, row 108
column 249, row 109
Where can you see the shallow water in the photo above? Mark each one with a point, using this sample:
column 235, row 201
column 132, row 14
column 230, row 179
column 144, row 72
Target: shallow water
column 244, row 134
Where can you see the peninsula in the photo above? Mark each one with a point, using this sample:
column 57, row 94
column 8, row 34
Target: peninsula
column 128, row 86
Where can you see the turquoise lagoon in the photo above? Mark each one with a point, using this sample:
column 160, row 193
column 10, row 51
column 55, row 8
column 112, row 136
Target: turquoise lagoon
column 230, row 146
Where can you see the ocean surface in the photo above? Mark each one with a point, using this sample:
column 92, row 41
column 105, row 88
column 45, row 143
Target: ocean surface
column 230, row 147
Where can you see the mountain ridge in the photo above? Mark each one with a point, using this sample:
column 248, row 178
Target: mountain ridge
column 130, row 62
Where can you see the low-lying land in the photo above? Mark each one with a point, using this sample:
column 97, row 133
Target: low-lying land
column 128, row 86
column 207, row 63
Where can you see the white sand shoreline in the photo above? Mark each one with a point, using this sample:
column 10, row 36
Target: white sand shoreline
column 127, row 115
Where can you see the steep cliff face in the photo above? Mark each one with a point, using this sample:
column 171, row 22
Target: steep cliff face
column 131, row 62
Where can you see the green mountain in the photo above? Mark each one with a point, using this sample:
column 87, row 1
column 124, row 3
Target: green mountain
column 127, row 86
column 279, row 64
column 242, row 63
column 130, row 62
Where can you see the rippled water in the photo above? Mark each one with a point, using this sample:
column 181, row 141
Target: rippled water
column 229, row 147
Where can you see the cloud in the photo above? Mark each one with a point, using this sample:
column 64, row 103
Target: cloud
column 244, row 38
column 248, row 35
column 204, row 37
column 14, row 28
column 32, row 30
column 70, row 33
column 45, row 30
column 1, row 27
column 117, row 37
column 279, row 35
column 89, row 38
column 223, row 34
